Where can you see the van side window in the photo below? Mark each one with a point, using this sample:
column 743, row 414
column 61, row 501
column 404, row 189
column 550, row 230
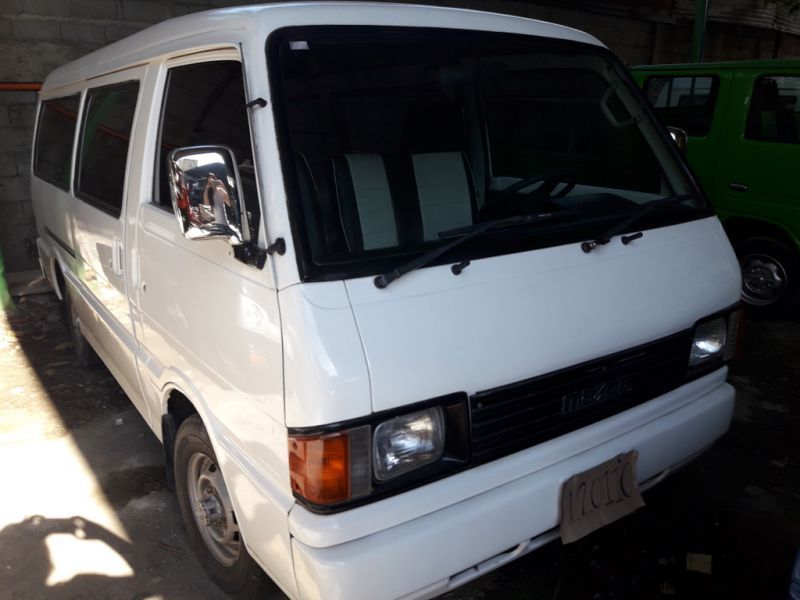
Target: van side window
column 205, row 105
column 774, row 110
column 105, row 136
column 685, row 102
column 52, row 159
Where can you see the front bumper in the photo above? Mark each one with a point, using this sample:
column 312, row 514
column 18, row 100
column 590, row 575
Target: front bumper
column 378, row 551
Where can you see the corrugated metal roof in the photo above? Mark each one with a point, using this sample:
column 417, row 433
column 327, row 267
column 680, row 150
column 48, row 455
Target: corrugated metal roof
column 755, row 13
column 764, row 14
column 651, row 10
column 768, row 63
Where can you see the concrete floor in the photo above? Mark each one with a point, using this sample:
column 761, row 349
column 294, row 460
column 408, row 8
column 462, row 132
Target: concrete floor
column 84, row 512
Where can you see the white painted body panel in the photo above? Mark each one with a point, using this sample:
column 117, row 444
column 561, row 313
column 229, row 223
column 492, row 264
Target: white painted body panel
column 100, row 242
column 436, row 550
column 209, row 327
column 52, row 208
column 509, row 318
column 326, row 374
column 258, row 351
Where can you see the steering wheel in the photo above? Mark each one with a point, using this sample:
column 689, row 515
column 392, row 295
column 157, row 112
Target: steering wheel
column 549, row 180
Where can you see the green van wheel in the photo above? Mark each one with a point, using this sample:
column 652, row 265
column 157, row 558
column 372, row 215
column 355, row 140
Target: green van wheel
column 770, row 271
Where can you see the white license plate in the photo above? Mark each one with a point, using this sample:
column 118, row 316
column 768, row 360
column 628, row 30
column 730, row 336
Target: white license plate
column 599, row 496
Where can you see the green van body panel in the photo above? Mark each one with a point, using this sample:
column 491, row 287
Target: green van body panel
column 769, row 170
column 754, row 184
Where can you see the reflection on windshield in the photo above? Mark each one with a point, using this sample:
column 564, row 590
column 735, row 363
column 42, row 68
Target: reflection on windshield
column 397, row 138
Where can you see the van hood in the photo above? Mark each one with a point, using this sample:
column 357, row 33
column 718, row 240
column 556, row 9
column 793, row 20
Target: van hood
column 508, row 318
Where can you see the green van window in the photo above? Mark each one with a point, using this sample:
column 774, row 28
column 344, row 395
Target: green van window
column 685, row 102
column 774, row 114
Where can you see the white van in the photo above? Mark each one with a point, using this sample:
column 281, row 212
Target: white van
column 406, row 292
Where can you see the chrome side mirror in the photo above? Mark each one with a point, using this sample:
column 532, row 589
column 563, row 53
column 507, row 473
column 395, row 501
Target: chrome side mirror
column 680, row 138
column 205, row 188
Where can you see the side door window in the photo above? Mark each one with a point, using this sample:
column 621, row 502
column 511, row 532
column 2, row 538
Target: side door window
column 204, row 104
column 103, row 151
column 774, row 114
column 685, row 102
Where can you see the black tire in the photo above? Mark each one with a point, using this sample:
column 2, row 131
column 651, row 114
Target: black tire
column 238, row 575
column 83, row 349
column 770, row 276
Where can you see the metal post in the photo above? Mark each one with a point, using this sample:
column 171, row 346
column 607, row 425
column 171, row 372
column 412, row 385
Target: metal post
column 700, row 16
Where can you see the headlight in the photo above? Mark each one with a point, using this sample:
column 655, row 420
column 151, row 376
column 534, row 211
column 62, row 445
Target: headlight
column 715, row 340
column 408, row 442
column 332, row 467
column 709, row 342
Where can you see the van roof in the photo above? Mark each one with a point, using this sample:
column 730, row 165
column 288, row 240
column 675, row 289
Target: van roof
column 164, row 37
column 772, row 63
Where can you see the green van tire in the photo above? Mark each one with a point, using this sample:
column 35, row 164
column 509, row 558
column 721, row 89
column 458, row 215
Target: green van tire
column 770, row 272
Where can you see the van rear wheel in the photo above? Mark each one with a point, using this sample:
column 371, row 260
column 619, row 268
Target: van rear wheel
column 209, row 518
column 770, row 272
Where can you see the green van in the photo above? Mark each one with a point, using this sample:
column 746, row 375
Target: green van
column 743, row 124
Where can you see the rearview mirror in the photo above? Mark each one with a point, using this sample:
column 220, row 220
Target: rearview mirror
column 205, row 188
column 680, row 138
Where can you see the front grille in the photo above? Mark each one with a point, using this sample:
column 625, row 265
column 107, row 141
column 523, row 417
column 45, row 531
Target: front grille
column 520, row 415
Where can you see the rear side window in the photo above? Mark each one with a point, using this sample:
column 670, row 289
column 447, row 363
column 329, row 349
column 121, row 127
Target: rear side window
column 56, row 132
column 105, row 137
column 685, row 102
column 774, row 114
column 205, row 105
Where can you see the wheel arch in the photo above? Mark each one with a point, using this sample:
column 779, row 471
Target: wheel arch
column 740, row 228
column 57, row 277
column 177, row 408
column 771, row 290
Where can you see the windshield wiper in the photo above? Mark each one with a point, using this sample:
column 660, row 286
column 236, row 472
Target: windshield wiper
column 623, row 225
column 465, row 234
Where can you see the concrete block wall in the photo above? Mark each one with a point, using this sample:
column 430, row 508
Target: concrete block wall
column 39, row 35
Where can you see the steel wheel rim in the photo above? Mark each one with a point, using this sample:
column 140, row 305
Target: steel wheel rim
column 212, row 509
column 764, row 279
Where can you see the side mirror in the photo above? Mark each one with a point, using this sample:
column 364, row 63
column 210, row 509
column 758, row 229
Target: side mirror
column 205, row 188
column 680, row 138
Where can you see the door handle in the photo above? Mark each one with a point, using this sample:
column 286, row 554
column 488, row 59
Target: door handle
column 117, row 257
column 738, row 187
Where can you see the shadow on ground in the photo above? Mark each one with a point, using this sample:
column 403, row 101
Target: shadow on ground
column 33, row 541
column 89, row 515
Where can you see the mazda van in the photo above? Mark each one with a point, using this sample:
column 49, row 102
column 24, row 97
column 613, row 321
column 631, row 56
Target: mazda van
column 406, row 292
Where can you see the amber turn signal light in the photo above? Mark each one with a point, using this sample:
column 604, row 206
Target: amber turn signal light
column 319, row 468
column 330, row 468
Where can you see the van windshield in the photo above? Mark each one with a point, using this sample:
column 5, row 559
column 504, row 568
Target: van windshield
column 391, row 136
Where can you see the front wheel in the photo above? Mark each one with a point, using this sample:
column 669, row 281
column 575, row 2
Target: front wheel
column 770, row 272
column 209, row 517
